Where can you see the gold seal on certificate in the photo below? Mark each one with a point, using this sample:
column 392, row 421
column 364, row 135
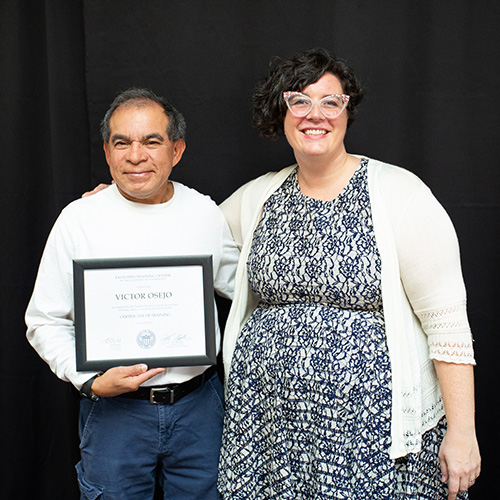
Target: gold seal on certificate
column 158, row 311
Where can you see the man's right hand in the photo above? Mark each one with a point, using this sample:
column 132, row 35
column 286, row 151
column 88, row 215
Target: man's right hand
column 98, row 188
column 121, row 379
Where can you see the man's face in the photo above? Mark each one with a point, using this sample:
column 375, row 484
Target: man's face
column 140, row 155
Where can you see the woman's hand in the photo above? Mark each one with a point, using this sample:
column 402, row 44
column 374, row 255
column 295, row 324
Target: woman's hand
column 460, row 461
column 459, row 454
column 98, row 188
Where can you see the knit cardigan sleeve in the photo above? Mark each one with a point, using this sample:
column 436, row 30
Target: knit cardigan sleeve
column 429, row 263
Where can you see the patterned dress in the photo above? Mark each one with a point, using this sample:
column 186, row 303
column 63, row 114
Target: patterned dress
column 308, row 403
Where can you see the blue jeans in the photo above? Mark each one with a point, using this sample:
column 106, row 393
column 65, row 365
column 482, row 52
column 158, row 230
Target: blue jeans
column 126, row 443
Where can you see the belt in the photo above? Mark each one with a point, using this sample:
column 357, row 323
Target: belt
column 171, row 393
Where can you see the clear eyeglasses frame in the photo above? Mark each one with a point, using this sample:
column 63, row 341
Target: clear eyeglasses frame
column 301, row 105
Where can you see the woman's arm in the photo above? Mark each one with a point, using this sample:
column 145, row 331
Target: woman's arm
column 459, row 454
column 430, row 268
column 98, row 188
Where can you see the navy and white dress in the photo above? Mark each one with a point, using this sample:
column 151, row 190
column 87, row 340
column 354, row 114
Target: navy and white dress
column 308, row 405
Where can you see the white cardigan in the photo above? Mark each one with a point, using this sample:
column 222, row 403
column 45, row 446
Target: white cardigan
column 423, row 292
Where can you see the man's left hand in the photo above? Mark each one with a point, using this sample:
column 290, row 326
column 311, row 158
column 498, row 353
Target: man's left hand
column 121, row 379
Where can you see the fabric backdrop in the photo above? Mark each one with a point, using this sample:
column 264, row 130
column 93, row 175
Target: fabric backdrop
column 432, row 105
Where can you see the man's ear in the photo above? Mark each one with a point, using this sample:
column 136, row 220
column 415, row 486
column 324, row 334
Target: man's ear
column 105, row 146
column 179, row 148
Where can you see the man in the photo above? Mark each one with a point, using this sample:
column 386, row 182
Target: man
column 126, row 439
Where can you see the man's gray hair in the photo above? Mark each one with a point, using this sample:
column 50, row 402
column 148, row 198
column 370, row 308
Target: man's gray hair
column 143, row 97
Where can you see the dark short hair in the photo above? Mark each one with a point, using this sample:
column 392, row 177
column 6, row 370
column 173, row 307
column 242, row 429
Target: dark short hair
column 296, row 73
column 142, row 97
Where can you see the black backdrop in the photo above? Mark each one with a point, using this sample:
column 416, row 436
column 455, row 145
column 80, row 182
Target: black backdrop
column 432, row 105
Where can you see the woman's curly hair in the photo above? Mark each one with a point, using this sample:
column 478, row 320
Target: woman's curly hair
column 296, row 73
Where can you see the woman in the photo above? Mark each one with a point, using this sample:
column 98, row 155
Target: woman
column 347, row 342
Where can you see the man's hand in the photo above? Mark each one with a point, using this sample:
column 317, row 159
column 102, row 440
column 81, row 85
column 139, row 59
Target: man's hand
column 121, row 379
column 98, row 188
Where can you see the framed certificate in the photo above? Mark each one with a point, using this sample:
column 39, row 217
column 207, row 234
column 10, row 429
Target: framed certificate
column 158, row 311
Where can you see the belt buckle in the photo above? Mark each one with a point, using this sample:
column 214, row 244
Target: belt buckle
column 154, row 390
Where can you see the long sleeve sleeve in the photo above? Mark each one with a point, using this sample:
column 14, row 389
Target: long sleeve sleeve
column 50, row 316
column 229, row 256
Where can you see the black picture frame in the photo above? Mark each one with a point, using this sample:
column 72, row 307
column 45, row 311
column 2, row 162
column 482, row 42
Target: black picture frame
column 163, row 266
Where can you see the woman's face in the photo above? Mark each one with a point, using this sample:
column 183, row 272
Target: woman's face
column 314, row 136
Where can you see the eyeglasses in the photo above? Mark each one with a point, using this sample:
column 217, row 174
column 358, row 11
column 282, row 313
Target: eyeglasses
column 331, row 106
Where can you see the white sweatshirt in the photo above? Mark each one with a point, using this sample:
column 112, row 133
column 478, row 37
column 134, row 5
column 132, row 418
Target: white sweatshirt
column 107, row 225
